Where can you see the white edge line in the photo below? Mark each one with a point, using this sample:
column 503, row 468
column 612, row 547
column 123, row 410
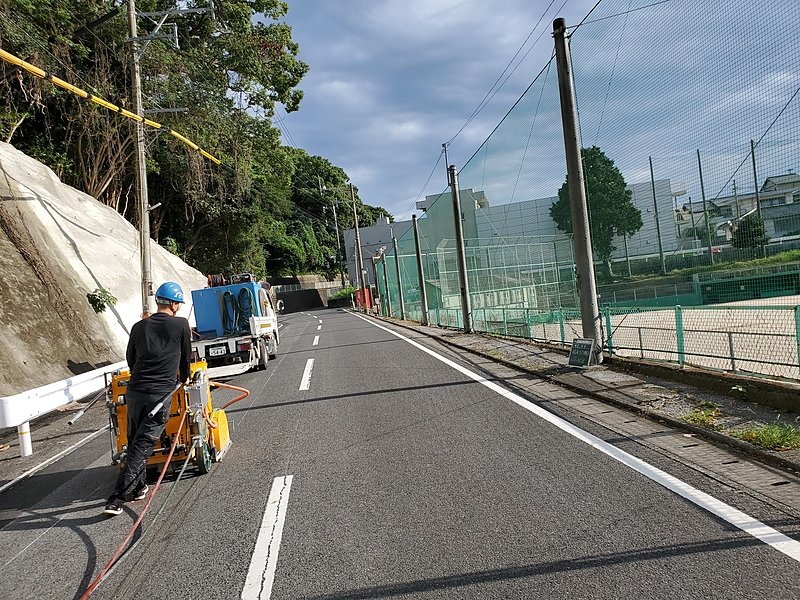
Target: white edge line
column 735, row 517
column 52, row 459
column 316, row 340
column 305, row 382
column 261, row 574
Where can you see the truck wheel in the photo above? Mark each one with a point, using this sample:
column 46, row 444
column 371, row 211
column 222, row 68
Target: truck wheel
column 262, row 354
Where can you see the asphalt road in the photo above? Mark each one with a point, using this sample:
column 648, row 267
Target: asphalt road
column 393, row 475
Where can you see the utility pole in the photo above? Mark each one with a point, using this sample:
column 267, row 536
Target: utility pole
column 736, row 201
column 582, row 240
column 658, row 224
column 399, row 280
column 705, row 208
column 359, row 259
column 420, row 272
column 460, row 254
column 446, row 164
column 758, row 198
column 386, row 286
column 141, row 165
column 336, row 226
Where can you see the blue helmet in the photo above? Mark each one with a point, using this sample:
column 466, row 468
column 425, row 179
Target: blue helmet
column 169, row 292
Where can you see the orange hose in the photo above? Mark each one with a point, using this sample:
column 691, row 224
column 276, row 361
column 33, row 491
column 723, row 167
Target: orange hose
column 121, row 549
column 244, row 395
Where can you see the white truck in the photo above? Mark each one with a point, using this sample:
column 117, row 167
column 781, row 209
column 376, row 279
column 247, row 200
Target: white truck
column 237, row 325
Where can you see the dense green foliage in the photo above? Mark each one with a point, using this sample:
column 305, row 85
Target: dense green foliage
column 611, row 210
column 263, row 210
column 750, row 233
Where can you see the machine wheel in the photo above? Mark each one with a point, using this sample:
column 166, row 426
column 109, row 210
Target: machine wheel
column 263, row 355
column 204, row 459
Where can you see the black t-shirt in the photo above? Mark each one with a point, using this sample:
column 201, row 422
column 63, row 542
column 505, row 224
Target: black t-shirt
column 159, row 347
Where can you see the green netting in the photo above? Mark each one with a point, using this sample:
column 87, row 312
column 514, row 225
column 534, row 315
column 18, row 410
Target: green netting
column 696, row 105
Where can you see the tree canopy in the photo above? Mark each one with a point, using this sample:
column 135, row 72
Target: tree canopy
column 750, row 232
column 611, row 209
column 261, row 210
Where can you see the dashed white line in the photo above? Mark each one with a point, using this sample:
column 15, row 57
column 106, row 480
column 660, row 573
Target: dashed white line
column 760, row 531
column 261, row 575
column 316, row 340
column 319, row 327
column 305, row 382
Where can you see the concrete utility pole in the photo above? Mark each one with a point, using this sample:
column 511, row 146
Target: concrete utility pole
column 420, row 273
column 399, row 280
column 359, row 259
column 386, row 286
column 705, row 208
column 322, row 189
column 460, row 254
column 758, row 197
column 582, row 241
column 658, row 224
column 141, row 165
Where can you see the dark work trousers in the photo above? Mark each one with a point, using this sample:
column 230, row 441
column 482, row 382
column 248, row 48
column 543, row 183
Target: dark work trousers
column 143, row 431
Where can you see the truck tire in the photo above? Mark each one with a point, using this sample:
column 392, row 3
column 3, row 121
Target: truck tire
column 262, row 354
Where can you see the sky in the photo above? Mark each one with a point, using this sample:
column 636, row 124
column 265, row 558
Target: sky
column 390, row 81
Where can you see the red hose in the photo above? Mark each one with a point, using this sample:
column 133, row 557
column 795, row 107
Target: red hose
column 121, row 549
column 245, row 393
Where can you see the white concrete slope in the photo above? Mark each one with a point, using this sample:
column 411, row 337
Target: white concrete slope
column 56, row 245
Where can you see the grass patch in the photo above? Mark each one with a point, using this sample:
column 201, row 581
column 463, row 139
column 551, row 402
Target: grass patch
column 772, row 437
column 344, row 293
column 704, row 416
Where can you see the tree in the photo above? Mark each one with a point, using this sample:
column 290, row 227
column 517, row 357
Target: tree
column 750, row 233
column 611, row 209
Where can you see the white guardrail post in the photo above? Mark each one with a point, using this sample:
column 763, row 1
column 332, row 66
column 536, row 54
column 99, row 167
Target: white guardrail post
column 18, row 410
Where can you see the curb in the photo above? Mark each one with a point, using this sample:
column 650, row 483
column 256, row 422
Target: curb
column 750, row 449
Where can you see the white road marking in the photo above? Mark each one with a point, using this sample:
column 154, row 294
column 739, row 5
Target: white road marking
column 319, row 327
column 735, row 517
column 53, row 459
column 320, row 321
column 261, row 575
column 305, row 382
column 316, row 340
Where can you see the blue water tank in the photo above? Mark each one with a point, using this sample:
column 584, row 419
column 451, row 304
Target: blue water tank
column 209, row 305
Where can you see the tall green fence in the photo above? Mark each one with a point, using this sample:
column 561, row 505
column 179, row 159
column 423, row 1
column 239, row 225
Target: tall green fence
column 695, row 106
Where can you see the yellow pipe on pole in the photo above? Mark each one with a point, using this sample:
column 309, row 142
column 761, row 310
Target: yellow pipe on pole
column 41, row 74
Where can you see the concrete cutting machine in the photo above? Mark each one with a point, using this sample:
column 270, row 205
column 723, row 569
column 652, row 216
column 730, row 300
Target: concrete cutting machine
column 202, row 436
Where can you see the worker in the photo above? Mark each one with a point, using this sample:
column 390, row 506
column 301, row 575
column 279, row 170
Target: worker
column 158, row 355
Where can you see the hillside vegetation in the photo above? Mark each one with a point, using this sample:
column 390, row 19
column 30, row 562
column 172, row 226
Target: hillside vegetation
column 263, row 210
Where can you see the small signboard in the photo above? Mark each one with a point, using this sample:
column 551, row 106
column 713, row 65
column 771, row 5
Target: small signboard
column 581, row 353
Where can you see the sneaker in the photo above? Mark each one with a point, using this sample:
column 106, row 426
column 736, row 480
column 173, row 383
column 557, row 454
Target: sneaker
column 113, row 507
column 141, row 493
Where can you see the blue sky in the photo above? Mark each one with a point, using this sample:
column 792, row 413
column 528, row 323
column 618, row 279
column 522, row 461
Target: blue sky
column 391, row 80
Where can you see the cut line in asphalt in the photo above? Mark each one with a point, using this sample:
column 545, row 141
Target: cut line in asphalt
column 261, row 574
column 53, row 459
column 305, row 382
column 757, row 529
column 316, row 340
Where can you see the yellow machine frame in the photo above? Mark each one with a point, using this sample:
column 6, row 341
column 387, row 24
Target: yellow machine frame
column 204, row 437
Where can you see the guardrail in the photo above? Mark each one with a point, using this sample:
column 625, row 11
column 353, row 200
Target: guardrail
column 18, row 410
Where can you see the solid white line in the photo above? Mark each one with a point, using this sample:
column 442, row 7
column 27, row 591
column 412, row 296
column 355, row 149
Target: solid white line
column 53, row 459
column 305, row 382
column 319, row 327
column 261, row 575
column 735, row 517
column 316, row 340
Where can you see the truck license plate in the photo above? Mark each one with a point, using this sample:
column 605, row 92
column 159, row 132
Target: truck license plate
column 216, row 351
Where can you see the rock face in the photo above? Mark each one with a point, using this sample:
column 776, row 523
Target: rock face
column 56, row 245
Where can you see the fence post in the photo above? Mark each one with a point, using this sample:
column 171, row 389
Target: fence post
column 561, row 328
column 797, row 331
column 730, row 350
column 609, row 341
column 505, row 323
column 679, row 335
